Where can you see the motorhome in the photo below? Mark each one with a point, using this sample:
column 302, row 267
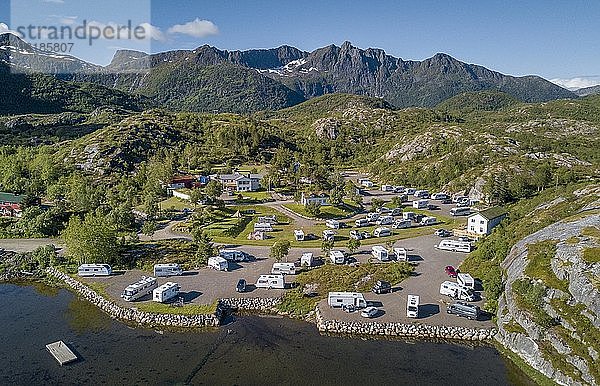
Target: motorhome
column 422, row 194
column 328, row 235
column 465, row 280
column 268, row 219
column 383, row 210
column 341, row 299
column 382, row 232
column 464, row 211
column 299, row 234
column 410, row 191
column 366, row 183
column 464, row 309
column 361, row 222
column 396, row 212
column 400, row 254
column 94, row 270
column 283, row 269
column 234, row 255
column 385, row 220
column 307, row 259
column 263, row 227
column 166, row 270
column 270, row 282
column 455, row 246
column 165, row 292
column 439, row 196
column 218, row 263
column 401, row 224
column 455, row 291
column 333, row 224
column 380, row 253
column 459, row 198
column 412, row 306
column 139, row 289
column 399, row 189
column 428, row 220
column 387, row 188
column 420, row 204
column 408, row 215
column 337, row 257
column 372, row 217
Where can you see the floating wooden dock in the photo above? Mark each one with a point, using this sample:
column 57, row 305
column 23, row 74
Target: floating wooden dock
column 61, row 352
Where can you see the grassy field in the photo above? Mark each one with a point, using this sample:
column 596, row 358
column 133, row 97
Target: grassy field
column 327, row 211
column 188, row 309
column 540, row 255
column 331, row 277
column 174, row 203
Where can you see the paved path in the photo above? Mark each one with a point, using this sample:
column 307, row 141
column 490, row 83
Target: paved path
column 166, row 233
column 28, row 245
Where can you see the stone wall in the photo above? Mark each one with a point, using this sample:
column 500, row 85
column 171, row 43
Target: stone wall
column 132, row 315
column 250, row 304
column 419, row 331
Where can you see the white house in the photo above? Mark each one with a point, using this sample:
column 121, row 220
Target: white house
column 320, row 199
column 240, row 182
column 483, row 222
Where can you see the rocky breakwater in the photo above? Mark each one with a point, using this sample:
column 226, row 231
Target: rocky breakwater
column 419, row 331
column 133, row 315
column 250, row 304
column 549, row 313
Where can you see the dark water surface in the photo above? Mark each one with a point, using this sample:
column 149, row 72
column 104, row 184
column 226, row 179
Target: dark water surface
column 249, row 351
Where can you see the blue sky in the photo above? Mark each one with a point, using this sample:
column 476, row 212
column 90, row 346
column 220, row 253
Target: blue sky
column 554, row 39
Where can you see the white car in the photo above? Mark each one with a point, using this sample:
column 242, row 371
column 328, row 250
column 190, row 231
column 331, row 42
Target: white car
column 369, row 312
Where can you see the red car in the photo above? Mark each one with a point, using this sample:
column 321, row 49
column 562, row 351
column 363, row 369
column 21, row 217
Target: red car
column 451, row 271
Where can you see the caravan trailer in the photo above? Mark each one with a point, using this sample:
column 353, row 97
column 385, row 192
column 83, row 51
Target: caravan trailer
column 361, row 222
column 464, row 211
column 283, row 269
column 428, row 221
column 387, row 188
column 307, row 259
column 139, row 289
column 94, row 270
column 420, row 204
column 268, row 219
column 234, row 255
column 454, row 246
column 439, row 196
column 165, row 292
column 263, row 227
column 218, row 263
column 412, row 306
column 382, row 232
column 328, row 235
column 385, row 220
column 333, row 224
column 337, row 257
column 401, row 254
column 166, row 270
column 270, row 282
column 380, row 253
column 422, row 194
column 341, row 299
column 465, row 280
column 299, row 234
column 402, row 224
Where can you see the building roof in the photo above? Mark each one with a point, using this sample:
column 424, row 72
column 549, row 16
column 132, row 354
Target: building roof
column 493, row 213
column 239, row 176
column 11, row 198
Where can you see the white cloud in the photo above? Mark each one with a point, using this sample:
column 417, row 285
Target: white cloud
column 577, row 82
column 5, row 30
column 155, row 33
column 197, row 28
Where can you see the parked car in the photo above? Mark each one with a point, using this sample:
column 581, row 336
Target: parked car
column 383, row 210
column 369, row 312
column 442, row 233
column 241, row 285
column 465, row 239
column 382, row 287
column 451, row 271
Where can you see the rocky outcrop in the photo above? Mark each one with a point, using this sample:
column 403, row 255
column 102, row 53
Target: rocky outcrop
column 418, row 331
column 540, row 346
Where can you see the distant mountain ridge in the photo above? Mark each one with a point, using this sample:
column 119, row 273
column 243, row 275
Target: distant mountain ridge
column 210, row 79
column 593, row 90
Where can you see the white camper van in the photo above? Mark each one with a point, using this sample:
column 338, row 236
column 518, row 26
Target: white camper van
column 328, row 235
column 428, row 220
column 233, row 255
column 283, row 269
column 268, row 219
column 402, row 224
column 455, row 291
column 422, row 193
column 455, row 246
column 337, row 257
column 373, row 216
column 385, row 220
column 401, row 254
column 333, row 224
column 341, row 299
column 464, row 211
column 465, row 280
column 439, row 196
column 361, row 222
column 165, row 292
column 382, row 232
column 307, row 259
column 299, row 234
column 166, row 270
column 270, row 282
column 380, row 253
column 263, row 227
column 420, row 204
column 218, row 263
column 408, row 215
column 139, row 289
column 412, row 306
column 94, row 270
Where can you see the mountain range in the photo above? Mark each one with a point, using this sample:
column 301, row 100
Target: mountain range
column 210, row 79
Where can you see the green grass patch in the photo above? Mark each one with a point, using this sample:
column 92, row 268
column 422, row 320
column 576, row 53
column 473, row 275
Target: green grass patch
column 514, row 327
column 164, row 251
column 572, row 240
column 327, row 211
column 332, row 278
column 591, row 255
column 591, row 232
column 188, row 309
column 540, row 255
column 174, row 203
column 529, row 297
column 558, row 360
